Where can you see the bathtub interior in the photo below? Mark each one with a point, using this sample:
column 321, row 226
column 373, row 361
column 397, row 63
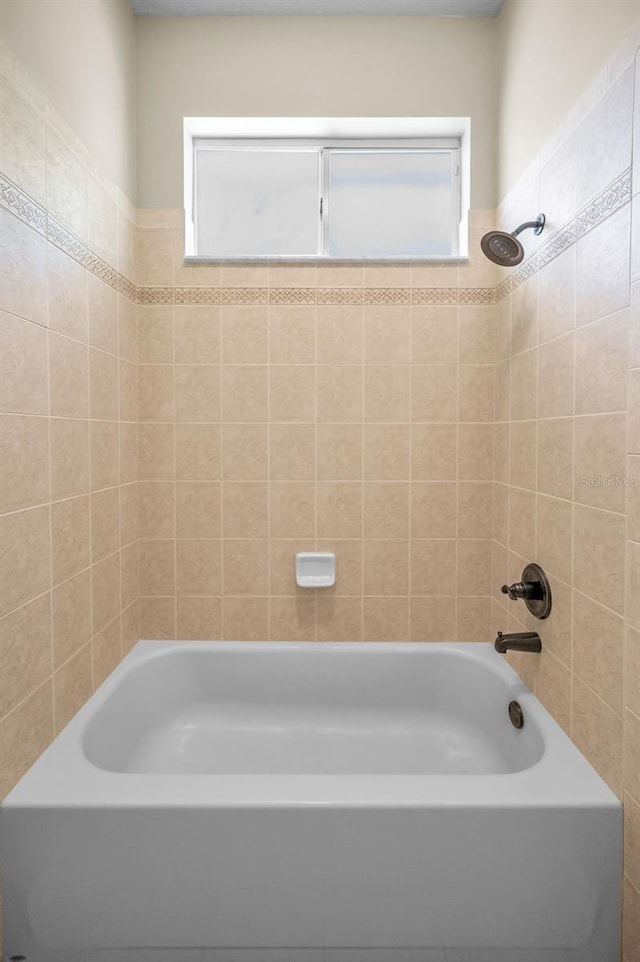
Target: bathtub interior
column 306, row 710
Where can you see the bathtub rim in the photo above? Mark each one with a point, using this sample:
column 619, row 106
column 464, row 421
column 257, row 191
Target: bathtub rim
column 63, row 776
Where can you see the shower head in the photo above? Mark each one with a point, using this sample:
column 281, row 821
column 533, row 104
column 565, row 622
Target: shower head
column 502, row 248
column 505, row 249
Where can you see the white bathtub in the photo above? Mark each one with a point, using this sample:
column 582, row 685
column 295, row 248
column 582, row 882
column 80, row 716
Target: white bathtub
column 250, row 802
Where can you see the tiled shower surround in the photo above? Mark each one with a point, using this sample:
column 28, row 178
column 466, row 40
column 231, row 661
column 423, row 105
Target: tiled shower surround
column 68, row 448
column 567, row 437
column 349, row 411
column 173, row 434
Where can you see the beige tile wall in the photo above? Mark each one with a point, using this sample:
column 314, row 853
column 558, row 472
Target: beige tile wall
column 567, row 410
column 348, row 411
column 68, row 431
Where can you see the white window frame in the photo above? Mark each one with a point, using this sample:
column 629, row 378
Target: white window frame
column 325, row 135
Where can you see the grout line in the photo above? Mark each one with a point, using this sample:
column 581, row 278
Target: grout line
column 412, row 388
column 118, row 486
column 363, row 460
column 50, row 458
column 457, row 612
column 619, row 715
column 316, row 382
column 626, row 589
column 47, row 681
column 221, row 477
column 572, row 680
column 269, row 483
column 174, row 480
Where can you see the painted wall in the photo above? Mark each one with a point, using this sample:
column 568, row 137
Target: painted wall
column 549, row 53
column 81, row 55
column 310, row 66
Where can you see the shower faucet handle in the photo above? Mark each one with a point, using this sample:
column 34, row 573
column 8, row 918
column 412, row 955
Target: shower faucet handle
column 522, row 589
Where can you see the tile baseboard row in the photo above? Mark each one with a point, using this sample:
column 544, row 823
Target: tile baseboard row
column 21, row 205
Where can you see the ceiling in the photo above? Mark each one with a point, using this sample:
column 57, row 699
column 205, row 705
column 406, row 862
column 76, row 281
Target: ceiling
column 261, row 8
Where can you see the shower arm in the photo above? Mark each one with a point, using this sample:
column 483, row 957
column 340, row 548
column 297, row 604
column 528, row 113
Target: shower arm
column 535, row 225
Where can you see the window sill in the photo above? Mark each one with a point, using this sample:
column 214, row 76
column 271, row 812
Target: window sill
column 256, row 259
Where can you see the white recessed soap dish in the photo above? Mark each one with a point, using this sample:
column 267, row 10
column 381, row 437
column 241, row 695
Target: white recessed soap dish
column 315, row 569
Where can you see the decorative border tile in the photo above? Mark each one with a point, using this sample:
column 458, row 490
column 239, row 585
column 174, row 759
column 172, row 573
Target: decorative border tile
column 127, row 288
column 96, row 265
column 387, row 295
column 340, row 295
column 612, row 199
column 477, row 295
column 615, row 196
column 196, row 295
column 18, row 203
column 435, row 295
column 292, row 295
column 154, row 295
column 308, row 295
column 66, row 241
column 244, row 295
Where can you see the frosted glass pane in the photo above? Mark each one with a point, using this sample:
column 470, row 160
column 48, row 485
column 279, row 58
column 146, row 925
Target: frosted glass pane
column 257, row 202
column 389, row 203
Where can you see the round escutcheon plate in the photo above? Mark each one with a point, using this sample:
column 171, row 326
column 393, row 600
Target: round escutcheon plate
column 540, row 604
column 516, row 716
